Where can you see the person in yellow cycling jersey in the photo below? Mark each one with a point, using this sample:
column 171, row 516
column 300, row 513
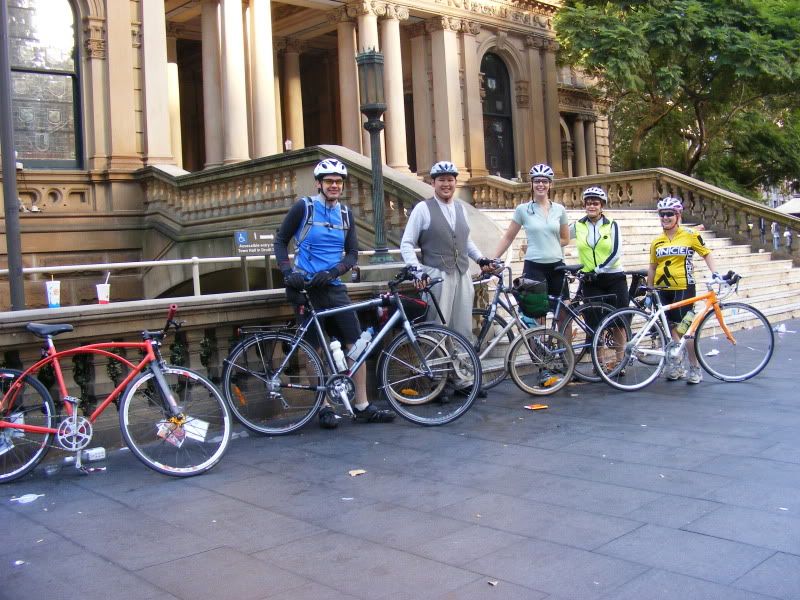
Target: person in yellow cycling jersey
column 671, row 268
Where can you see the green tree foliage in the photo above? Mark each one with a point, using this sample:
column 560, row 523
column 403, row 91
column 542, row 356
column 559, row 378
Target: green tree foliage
column 701, row 86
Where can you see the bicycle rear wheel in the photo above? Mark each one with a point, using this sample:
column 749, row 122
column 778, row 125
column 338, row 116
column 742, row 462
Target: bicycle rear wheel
column 541, row 361
column 579, row 331
column 621, row 363
column 743, row 358
column 31, row 404
column 493, row 364
column 262, row 402
column 184, row 447
column 430, row 401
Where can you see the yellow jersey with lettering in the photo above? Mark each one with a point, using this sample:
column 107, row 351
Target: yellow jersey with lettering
column 673, row 258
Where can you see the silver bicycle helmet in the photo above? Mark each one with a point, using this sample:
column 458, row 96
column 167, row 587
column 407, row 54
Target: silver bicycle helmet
column 329, row 166
column 443, row 167
column 541, row 170
column 670, row 203
column 595, row 192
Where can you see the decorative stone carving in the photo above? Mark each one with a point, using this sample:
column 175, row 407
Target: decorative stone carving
column 501, row 41
column 523, row 97
column 356, row 9
column 470, row 27
column 293, row 45
column 391, row 11
column 136, row 34
column 94, row 30
column 443, row 24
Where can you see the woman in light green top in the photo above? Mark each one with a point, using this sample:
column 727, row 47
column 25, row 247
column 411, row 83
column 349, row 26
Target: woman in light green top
column 546, row 226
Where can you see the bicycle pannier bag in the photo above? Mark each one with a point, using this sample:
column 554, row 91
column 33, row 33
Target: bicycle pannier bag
column 531, row 296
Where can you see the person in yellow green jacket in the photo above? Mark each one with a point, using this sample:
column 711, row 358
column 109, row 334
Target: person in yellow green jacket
column 599, row 245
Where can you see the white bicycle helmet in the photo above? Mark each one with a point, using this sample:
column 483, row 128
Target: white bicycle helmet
column 670, row 203
column 595, row 192
column 541, row 170
column 329, row 166
column 443, row 167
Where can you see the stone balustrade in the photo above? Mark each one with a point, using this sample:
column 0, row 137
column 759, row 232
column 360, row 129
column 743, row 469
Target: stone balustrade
column 210, row 329
column 740, row 218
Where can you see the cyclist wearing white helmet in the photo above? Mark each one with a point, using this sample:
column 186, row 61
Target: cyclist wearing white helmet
column 545, row 224
column 599, row 247
column 671, row 268
column 440, row 228
column 322, row 230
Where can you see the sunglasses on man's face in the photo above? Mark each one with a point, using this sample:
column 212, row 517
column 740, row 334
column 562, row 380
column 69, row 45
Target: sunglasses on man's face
column 538, row 181
column 666, row 214
column 592, row 203
column 338, row 182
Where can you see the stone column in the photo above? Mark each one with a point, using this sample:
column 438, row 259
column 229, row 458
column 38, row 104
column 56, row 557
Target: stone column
column 421, row 89
column 591, row 146
column 567, row 156
column 174, row 101
column 579, row 139
column 538, row 129
column 212, row 100
column 349, row 113
column 395, row 115
column 476, row 151
column 551, row 114
column 277, row 95
column 157, row 124
column 265, row 134
column 367, row 40
column 236, row 142
column 121, row 118
column 95, row 101
column 292, row 95
column 447, row 104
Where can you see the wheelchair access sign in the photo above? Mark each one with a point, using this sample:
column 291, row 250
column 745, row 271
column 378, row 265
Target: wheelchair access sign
column 249, row 242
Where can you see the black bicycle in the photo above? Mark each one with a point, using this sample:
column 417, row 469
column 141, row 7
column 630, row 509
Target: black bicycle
column 275, row 381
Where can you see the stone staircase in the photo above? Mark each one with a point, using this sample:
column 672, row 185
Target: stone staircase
column 773, row 286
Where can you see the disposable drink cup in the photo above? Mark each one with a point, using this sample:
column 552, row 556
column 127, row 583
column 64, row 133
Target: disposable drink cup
column 53, row 289
column 103, row 292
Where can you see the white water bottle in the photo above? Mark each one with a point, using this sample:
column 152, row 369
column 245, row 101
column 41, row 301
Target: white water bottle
column 361, row 344
column 338, row 355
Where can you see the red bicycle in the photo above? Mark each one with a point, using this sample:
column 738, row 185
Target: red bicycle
column 173, row 419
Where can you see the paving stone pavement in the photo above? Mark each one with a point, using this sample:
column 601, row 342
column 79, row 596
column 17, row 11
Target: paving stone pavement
column 674, row 492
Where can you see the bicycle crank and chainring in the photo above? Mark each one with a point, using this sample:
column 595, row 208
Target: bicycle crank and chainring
column 74, row 433
column 340, row 384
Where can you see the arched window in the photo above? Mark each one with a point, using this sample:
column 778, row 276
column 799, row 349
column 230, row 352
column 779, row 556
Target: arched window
column 497, row 128
column 44, row 83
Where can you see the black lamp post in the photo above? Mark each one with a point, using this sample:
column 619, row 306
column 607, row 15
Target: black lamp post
column 373, row 105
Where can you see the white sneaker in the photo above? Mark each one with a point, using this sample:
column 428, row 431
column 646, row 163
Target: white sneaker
column 675, row 372
column 695, row 375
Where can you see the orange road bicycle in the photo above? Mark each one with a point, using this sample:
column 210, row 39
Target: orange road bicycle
column 173, row 419
column 733, row 341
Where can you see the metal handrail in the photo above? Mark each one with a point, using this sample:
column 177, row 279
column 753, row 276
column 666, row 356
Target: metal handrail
column 195, row 262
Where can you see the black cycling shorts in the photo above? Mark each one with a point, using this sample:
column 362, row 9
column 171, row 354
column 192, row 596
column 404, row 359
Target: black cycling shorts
column 613, row 287
column 344, row 326
column 546, row 272
column 676, row 315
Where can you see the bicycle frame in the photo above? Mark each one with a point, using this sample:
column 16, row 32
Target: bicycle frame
column 52, row 357
column 315, row 316
column 711, row 302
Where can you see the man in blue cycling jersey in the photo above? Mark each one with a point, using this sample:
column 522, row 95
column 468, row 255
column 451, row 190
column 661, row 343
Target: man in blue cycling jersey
column 322, row 230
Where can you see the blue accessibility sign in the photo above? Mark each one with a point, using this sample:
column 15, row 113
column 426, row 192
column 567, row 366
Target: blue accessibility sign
column 254, row 242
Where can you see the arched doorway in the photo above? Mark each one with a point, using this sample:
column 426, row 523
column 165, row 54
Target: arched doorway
column 497, row 126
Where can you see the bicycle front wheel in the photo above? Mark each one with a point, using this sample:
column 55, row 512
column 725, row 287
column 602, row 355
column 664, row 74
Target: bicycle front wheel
column 541, row 361
column 31, row 404
column 628, row 354
column 579, row 331
column 491, row 346
column 443, row 396
column 260, row 399
column 741, row 358
column 184, row 446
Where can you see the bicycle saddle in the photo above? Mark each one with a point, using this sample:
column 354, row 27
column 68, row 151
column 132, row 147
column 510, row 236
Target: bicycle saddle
column 570, row 268
column 43, row 330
